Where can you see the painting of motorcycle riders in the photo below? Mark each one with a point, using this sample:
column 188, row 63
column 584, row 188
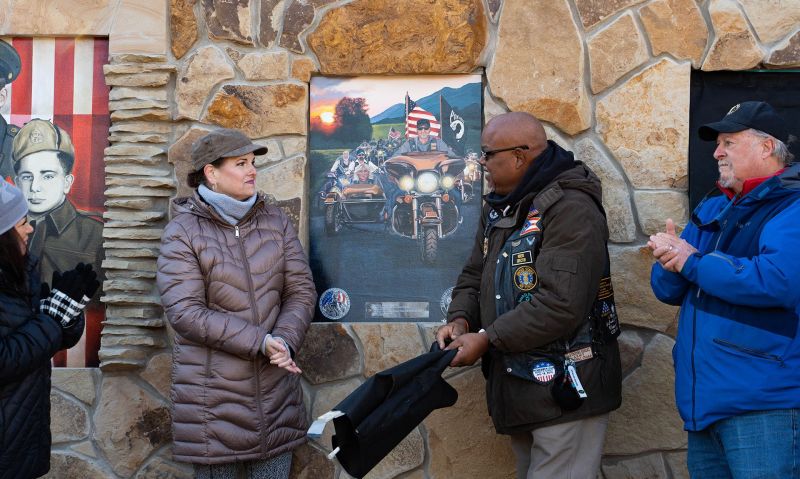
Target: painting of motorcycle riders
column 396, row 193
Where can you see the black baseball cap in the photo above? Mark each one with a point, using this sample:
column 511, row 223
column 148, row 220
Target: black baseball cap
column 9, row 63
column 758, row 115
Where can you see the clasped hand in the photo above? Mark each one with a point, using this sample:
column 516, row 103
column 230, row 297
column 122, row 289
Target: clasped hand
column 669, row 249
column 278, row 353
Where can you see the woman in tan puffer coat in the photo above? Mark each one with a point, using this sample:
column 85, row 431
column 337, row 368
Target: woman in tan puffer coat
column 237, row 289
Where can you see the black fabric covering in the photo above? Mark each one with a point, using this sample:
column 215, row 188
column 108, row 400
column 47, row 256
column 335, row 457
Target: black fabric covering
column 714, row 93
column 387, row 407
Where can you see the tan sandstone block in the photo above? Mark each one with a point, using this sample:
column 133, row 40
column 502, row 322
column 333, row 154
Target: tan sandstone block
column 645, row 124
column 80, row 382
column 676, row 27
column 45, row 17
column 654, row 207
column 648, row 419
column 614, row 51
column 140, row 26
column 159, row 373
column 71, row 466
column 636, row 303
column 203, row 70
column 530, row 75
column 130, row 424
column 651, row 465
column 261, row 111
column 263, row 66
column 380, row 36
column 593, row 12
column 772, row 19
column 387, row 344
column 461, row 438
column 786, row 54
column 735, row 47
column 302, row 68
column 69, row 419
column 182, row 25
column 616, row 196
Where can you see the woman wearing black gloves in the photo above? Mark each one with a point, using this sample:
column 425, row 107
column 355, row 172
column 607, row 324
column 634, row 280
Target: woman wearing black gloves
column 35, row 322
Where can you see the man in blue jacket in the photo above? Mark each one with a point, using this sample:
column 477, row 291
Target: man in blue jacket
column 735, row 272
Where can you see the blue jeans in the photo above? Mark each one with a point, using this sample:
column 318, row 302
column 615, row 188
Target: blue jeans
column 760, row 444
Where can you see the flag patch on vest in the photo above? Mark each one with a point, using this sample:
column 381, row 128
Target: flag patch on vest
column 544, row 371
column 525, row 278
column 531, row 222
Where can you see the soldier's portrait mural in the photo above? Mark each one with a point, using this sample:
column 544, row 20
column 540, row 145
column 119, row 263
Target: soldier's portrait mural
column 54, row 107
column 396, row 190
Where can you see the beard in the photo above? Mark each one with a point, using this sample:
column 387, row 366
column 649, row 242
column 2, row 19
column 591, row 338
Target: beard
column 727, row 177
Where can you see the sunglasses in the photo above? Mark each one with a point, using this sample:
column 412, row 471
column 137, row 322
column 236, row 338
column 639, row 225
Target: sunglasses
column 423, row 128
column 487, row 154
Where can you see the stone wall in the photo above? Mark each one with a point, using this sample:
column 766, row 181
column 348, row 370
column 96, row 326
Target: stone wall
column 610, row 78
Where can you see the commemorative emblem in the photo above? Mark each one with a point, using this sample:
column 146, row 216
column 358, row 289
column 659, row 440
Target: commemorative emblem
column 334, row 303
column 544, row 371
column 446, row 299
column 525, row 278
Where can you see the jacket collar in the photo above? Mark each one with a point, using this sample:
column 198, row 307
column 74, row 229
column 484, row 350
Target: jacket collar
column 61, row 217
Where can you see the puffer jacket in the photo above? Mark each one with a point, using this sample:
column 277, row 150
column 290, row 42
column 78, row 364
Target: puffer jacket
column 568, row 266
column 28, row 339
column 223, row 289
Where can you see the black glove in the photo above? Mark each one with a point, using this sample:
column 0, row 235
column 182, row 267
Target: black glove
column 71, row 291
column 77, row 283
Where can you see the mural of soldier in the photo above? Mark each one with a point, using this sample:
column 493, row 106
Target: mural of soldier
column 62, row 236
column 9, row 69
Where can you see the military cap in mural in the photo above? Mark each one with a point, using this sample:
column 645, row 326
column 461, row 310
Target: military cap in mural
column 42, row 135
column 9, row 63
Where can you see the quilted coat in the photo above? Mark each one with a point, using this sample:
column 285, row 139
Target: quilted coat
column 28, row 339
column 224, row 288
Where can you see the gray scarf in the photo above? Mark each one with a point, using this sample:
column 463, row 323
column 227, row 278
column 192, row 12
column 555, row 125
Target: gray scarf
column 231, row 209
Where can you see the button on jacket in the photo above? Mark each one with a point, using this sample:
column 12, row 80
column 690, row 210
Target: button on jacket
column 224, row 288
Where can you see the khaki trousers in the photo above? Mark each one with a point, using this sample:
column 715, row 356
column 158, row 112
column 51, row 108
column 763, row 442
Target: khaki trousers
column 565, row 451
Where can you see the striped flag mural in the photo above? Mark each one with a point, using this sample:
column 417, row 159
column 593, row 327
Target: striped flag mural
column 414, row 113
column 61, row 80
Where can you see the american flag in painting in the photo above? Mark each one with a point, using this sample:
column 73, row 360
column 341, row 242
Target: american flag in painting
column 62, row 80
column 414, row 113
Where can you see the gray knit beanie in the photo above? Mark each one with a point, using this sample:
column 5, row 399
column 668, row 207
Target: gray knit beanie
column 13, row 206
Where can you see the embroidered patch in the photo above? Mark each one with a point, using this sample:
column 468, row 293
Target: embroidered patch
column 544, row 371
column 530, row 240
column 733, row 109
column 531, row 222
column 493, row 215
column 524, row 297
column 515, row 243
column 525, row 278
column 444, row 301
column 523, row 257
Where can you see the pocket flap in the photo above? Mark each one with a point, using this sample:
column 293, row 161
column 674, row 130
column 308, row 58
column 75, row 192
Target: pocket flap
column 565, row 263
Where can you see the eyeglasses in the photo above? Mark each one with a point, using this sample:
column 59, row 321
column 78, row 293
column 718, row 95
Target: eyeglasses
column 423, row 128
column 486, row 155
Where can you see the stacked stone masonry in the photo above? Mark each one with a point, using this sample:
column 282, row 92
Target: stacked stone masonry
column 609, row 78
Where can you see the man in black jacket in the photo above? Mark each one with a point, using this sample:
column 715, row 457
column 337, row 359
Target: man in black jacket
column 535, row 302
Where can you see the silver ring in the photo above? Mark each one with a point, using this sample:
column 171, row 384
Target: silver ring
column 670, row 248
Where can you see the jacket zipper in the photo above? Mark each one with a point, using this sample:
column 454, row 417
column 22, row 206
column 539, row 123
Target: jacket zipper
column 257, row 365
column 750, row 351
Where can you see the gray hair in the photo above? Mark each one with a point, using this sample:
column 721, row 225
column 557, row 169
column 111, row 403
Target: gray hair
column 780, row 151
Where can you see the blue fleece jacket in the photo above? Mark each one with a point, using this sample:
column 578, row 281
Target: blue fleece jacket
column 738, row 348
